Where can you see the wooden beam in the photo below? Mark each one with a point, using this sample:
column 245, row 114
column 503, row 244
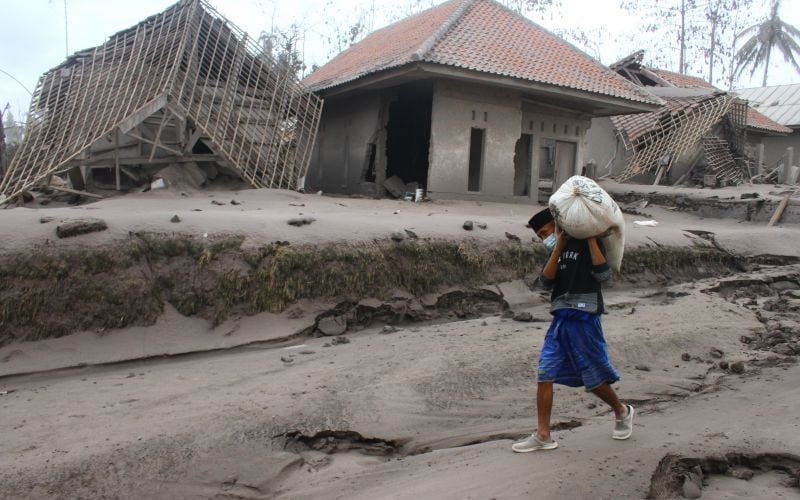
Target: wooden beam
column 192, row 140
column 143, row 160
column 75, row 191
column 142, row 113
column 776, row 217
column 164, row 121
column 155, row 144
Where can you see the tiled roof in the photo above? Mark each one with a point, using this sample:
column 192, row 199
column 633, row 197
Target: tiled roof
column 482, row 36
column 780, row 103
column 755, row 119
column 635, row 126
column 758, row 121
column 684, row 81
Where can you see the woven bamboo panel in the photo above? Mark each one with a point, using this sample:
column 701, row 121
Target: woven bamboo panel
column 677, row 129
column 257, row 115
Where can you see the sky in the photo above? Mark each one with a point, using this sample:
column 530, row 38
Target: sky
column 33, row 37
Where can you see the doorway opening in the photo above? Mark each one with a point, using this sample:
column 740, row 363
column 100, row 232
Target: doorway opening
column 409, row 135
column 523, row 165
column 556, row 164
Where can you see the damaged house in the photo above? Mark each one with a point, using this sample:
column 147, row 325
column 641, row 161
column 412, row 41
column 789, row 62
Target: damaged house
column 183, row 87
column 700, row 134
column 465, row 100
column 780, row 103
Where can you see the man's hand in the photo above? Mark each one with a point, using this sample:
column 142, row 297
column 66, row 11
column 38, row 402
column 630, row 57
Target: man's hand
column 598, row 258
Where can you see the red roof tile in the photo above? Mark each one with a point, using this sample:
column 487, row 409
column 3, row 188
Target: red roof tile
column 755, row 120
column 684, row 81
column 759, row 121
column 477, row 35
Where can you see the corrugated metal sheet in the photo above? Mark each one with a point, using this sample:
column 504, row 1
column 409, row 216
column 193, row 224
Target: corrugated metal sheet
column 780, row 103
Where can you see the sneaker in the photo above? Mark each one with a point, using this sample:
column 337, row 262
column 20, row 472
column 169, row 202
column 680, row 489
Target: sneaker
column 533, row 443
column 623, row 427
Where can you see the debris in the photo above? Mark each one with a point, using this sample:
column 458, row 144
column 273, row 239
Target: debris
column 398, row 236
column 300, row 221
column 411, row 234
column 524, row 316
column 287, row 359
column 396, row 212
column 175, row 218
column 481, row 225
column 79, row 193
column 467, row 225
column 7, row 392
column 216, row 202
column 749, row 196
column 512, row 236
column 690, row 488
column 776, row 217
column 642, row 368
column 80, row 226
column 340, row 340
column 395, row 186
column 737, row 367
column 45, row 220
column 388, row 329
column 716, row 353
column 139, row 82
column 686, row 356
column 234, row 202
column 332, row 325
column 648, row 223
column 742, row 473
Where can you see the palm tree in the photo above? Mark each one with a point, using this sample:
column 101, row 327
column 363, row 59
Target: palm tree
column 771, row 34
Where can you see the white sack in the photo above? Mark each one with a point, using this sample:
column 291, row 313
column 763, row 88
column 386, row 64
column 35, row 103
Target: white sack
column 584, row 210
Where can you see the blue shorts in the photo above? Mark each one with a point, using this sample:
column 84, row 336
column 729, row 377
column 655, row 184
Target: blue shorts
column 575, row 353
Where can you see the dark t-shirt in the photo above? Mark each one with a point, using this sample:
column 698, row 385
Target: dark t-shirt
column 577, row 283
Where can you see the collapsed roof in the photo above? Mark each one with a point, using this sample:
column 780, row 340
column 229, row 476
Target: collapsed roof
column 695, row 117
column 200, row 74
column 485, row 41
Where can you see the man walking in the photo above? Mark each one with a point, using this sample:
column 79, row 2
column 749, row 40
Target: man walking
column 574, row 353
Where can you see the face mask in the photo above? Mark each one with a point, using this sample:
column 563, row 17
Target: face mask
column 550, row 242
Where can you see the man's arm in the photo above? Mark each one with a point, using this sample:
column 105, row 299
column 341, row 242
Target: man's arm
column 551, row 267
column 600, row 268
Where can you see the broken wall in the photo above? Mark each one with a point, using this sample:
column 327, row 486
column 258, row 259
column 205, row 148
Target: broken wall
column 348, row 125
column 603, row 147
column 775, row 148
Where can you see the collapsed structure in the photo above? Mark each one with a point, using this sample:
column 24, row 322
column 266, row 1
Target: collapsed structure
column 182, row 86
column 699, row 131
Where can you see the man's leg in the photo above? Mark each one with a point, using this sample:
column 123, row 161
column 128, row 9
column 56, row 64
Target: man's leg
column 623, row 426
column 544, row 408
column 607, row 394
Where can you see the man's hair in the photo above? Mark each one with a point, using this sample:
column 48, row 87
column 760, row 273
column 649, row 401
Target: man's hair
column 540, row 219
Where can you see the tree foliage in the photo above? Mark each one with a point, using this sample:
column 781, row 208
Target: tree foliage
column 772, row 34
column 692, row 37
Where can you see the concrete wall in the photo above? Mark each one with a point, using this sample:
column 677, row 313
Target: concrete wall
column 775, row 148
column 549, row 124
column 348, row 125
column 458, row 107
column 346, row 128
column 604, row 149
